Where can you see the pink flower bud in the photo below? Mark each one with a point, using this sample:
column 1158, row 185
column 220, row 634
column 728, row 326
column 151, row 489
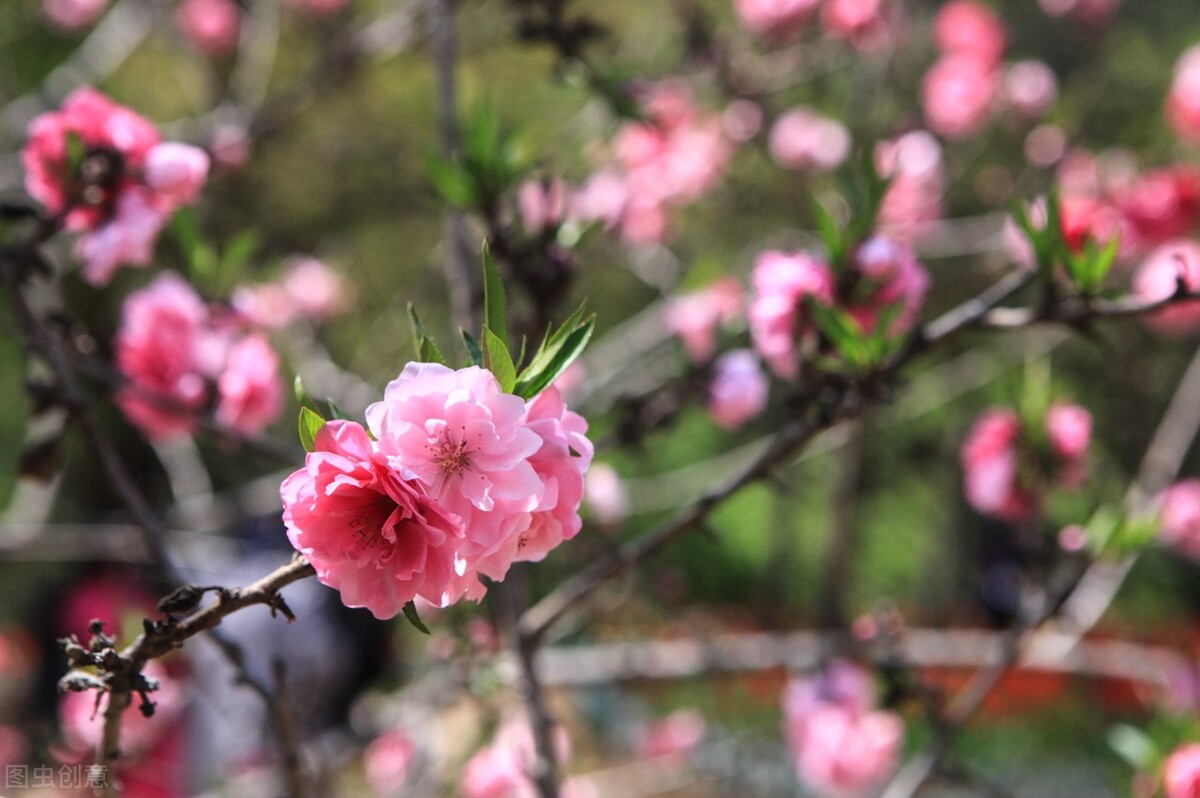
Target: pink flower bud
column 211, row 26
column 739, row 388
column 1070, row 430
column 1160, row 276
column 803, row 139
column 958, row 94
column 176, row 173
column 1179, row 517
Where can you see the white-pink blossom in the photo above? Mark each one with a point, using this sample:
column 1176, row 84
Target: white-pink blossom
column 739, row 388
column 697, row 316
column 803, row 139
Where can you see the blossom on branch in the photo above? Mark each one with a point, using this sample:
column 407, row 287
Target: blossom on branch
column 105, row 169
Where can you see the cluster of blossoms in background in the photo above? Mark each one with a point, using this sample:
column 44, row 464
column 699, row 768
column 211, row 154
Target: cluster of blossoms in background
column 840, row 742
column 179, row 359
column 455, row 481
column 1002, row 459
column 106, row 170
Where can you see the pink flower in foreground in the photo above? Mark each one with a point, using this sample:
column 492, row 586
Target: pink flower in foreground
column 777, row 319
column 1160, row 276
column 71, row 15
column 958, row 94
column 156, row 346
column 1183, row 99
column 388, row 761
column 803, row 139
column 778, row 19
column 739, row 388
column 1181, row 772
column 560, row 464
column 371, row 532
column 840, row 744
column 249, row 391
column 211, row 26
column 466, row 441
column 697, row 316
column 990, row 467
column 970, row 27
column 1179, row 517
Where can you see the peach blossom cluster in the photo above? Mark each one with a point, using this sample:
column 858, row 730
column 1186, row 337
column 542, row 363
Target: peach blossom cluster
column 669, row 160
column 179, row 359
column 107, row 172
column 307, row 289
column 840, row 743
column 456, row 481
column 883, row 274
column 1004, row 475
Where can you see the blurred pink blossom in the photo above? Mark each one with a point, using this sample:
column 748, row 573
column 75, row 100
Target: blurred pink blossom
column 388, row 762
column 777, row 19
column 211, row 26
column 1045, row 145
column 803, row 139
column 958, row 94
column 971, row 28
column 1160, row 276
column 697, row 316
column 605, row 493
column 249, row 391
column 82, row 718
column 990, row 467
column 501, row 769
column 1070, row 429
column 1183, row 99
column 676, row 736
column 266, row 305
column 230, row 147
column 317, row 291
column 1160, row 205
column 742, row 120
column 175, row 173
column 895, row 278
column 868, row 25
column 840, row 744
column 69, row 15
column 1179, row 517
column 1030, row 88
column 542, row 205
column 127, row 238
column 1089, row 12
column 1181, row 772
column 913, row 162
column 739, row 388
column 782, row 281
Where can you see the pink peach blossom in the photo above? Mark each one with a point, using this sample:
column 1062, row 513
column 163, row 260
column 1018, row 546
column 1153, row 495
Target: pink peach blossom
column 1160, row 276
column 777, row 319
column 741, row 120
column 127, row 237
column 777, row 19
column 868, row 25
column 913, row 162
column 990, row 467
column 1070, row 429
column 371, row 531
column 501, row 770
column 175, row 173
column 211, row 26
column 560, row 463
column 605, row 494
column 156, row 346
column 249, row 391
column 1179, row 517
column 1181, row 772
column 896, row 279
column 1045, row 145
column 69, row 15
column 317, row 291
column 1030, row 88
column 542, row 205
column 803, row 139
column 467, row 443
column 1160, row 205
column 958, row 94
column 697, row 316
column 739, row 388
column 971, row 28
column 676, row 736
column 230, row 147
column 1183, row 98
column 266, row 305
column 388, row 761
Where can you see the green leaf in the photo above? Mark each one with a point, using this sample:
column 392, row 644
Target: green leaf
column 335, row 412
column 495, row 308
column 239, row 250
column 427, row 348
column 304, row 397
column 410, row 612
column 473, row 351
column 827, row 229
column 76, row 152
column 451, row 181
column 550, row 363
column 498, row 360
column 310, row 424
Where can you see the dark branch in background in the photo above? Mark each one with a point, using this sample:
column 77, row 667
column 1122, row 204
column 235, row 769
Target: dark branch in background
column 843, row 536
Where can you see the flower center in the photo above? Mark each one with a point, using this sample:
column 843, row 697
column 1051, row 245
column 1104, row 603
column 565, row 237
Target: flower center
column 451, row 456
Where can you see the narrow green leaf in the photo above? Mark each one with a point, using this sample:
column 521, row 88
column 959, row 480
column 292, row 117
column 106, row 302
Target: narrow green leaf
column 451, row 181
column 426, row 347
column 495, row 308
column 336, row 413
column 498, row 360
column 310, row 424
column 1133, row 745
column 474, row 353
column 410, row 612
column 240, row 250
column 554, row 360
column 304, row 397
column 827, row 229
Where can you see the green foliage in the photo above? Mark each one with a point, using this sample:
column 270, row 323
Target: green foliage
column 310, row 424
column 558, row 350
column 411, row 615
column 423, row 342
column 489, row 164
